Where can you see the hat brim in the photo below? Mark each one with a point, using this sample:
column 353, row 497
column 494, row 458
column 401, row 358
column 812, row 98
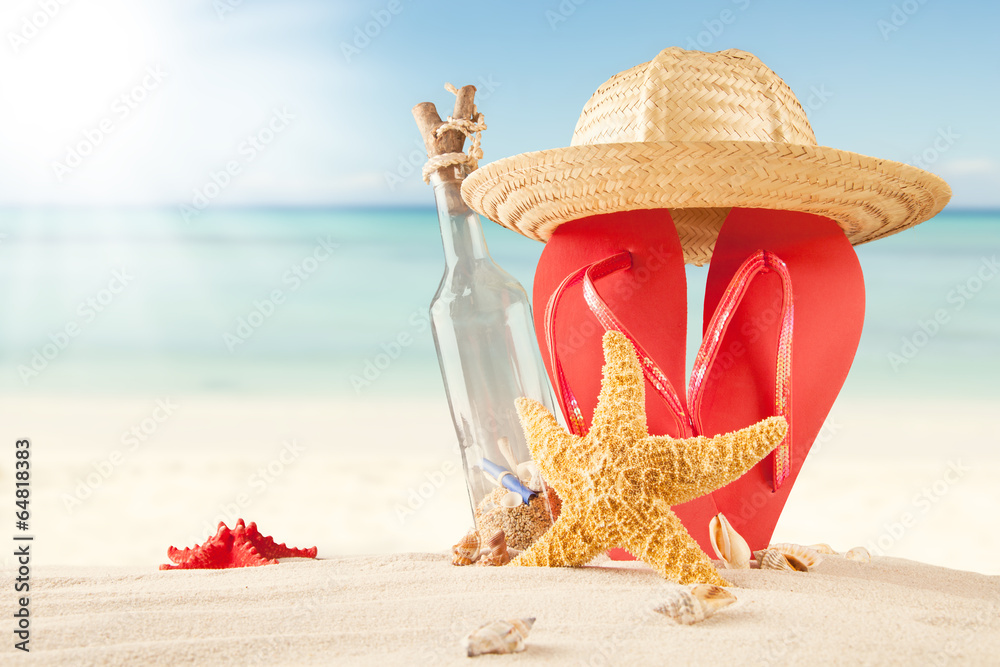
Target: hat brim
column 534, row 193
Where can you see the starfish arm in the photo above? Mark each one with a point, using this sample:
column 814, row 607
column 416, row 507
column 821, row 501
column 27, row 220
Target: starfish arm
column 669, row 550
column 566, row 544
column 550, row 444
column 696, row 466
column 621, row 406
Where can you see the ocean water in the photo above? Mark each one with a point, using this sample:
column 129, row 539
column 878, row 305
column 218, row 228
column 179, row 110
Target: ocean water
column 255, row 301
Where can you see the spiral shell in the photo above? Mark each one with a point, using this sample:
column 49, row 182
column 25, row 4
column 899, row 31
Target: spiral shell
column 688, row 606
column 498, row 550
column 467, row 549
column 859, row 554
column 728, row 544
column 498, row 637
column 799, row 557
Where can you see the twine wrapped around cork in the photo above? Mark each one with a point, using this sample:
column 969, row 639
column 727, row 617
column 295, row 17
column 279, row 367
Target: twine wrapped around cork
column 445, row 139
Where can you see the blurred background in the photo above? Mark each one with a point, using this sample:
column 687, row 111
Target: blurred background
column 214, row 232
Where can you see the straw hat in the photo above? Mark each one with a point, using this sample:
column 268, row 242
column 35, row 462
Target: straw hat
column 698, row 133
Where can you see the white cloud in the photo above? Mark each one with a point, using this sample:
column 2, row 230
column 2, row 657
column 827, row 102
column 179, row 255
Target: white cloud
column 976, row 166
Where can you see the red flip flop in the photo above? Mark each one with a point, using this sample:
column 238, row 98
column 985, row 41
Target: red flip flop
column 767, row 266
column 823, row 312
column 633, row 263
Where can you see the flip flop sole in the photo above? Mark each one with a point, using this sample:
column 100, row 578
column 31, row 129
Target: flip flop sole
column 828, row 297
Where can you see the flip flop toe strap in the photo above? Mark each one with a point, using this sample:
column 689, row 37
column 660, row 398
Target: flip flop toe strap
column 688, row 421
column 607, row 319
column 758, row 264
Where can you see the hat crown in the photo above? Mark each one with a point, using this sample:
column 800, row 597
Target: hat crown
column 694, row 96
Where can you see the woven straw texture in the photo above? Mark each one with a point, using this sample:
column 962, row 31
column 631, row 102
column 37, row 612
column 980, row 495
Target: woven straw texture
column 698, row 133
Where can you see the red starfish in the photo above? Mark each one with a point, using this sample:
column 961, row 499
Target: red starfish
column 243, row 546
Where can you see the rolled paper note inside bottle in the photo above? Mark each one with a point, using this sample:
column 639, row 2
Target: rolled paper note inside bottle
column 508, row 479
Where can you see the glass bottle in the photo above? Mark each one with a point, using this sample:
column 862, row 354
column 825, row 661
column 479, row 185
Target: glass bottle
column 485, row 340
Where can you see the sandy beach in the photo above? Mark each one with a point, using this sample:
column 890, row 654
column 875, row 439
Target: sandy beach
column 414, row 608
column 384, row 477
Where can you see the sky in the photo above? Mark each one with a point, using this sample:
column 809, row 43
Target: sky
column 307, row 103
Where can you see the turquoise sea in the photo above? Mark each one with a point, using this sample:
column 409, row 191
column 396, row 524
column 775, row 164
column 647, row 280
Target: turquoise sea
column 303, row 301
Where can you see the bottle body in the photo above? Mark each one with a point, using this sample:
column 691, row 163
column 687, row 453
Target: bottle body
column 485, row 341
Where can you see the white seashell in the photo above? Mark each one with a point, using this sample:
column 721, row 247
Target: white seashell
column 503, row 444
column 529, row 475
column 728, row 544
column 691, row 606
column 799, row 557
column 467, row 550
column 772, row 559
column 498, row 637
column 859, row 554
column 824, row 549
column 511, row 500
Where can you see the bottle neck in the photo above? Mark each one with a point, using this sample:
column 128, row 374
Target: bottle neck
column 461, row 231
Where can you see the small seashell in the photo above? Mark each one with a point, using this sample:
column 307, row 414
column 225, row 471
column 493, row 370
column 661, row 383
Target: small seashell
column 728, row 544
column 859, row 554
column 799, row 557
column 824, row 549
column 687, row 606
column 498, row 551
column 467, row 549
column 498, row 637
column 530, row 476
column 511, row 500
column 772, row 559
column 498, row 547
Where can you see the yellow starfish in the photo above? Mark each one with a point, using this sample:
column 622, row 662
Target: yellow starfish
column 617, row 483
